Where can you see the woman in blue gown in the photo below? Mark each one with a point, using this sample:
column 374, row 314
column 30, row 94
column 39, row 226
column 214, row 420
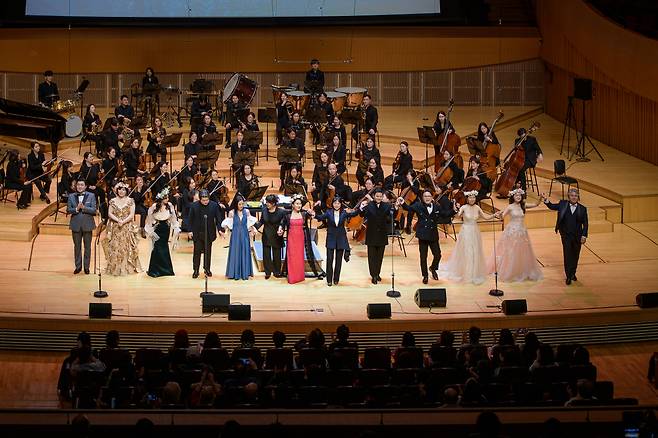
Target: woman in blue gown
column 241, row 224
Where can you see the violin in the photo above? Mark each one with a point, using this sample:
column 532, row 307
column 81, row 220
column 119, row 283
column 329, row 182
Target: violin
column 396, row 163
column 491, row 156
column 513, row 163
column 142, row 161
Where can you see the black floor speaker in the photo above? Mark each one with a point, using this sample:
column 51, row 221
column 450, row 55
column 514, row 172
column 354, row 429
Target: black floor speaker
column 431, row 297
column 514, row 307
column 100, row 310
column 239, row 312
column 215, row 303
column 379, row 310
column 647, row 300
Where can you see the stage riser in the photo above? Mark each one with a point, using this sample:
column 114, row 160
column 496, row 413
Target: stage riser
column 584, row 335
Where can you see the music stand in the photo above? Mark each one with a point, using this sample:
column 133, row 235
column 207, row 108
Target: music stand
column 253, row 139
column 287, row 155
column 313, row 87
column 257, row 193
column 80, row 92
column 207, row 158
column 351, row 116
column 209, row 141
column 242, row 158
column 426, row 135
column 170, row 141
column 294, row 189
column 267, row 116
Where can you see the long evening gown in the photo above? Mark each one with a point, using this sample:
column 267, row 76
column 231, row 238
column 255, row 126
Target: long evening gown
column 467, row 263
column 514, row 254
column 238, row 266
column 120, row 244
column 295, row 251
column 158, row 227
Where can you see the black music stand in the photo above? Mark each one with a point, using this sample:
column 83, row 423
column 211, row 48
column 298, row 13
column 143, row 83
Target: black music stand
column 350, row 116
column 80, row 92
column 257, row 193
column 207, row 158
column 170, row 141
column 209, row 141
column 287, row 155
column 239, row 160
column 267, row 116
column 253, row 139
column 426, row 135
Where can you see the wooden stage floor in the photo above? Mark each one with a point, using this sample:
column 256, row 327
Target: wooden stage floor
column 619, row 260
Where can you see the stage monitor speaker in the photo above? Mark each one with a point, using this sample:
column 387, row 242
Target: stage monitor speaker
column 379, row 310
column 647, row 300
column 582, row 88
column 431, row 297
column 100, row 310
column 514, row 307
column 239, row 312
column 215, row 303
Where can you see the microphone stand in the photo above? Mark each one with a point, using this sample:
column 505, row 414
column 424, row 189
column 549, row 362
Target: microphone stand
column 495, row 292
column 392, row 293
column 100, row 293
column 205, row 291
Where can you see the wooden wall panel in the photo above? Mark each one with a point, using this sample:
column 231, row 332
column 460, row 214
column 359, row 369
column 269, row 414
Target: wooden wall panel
column 342, row 49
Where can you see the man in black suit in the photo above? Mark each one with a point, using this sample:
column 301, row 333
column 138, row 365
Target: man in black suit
column 270, row 219
column 372, row 119
column 572, row 225
column 48, row 93
column 378, row 217
column 533, row 155
column 205, row 219
column 430, row 214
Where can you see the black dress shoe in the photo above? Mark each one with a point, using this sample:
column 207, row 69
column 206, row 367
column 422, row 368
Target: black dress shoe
column 574, row 278
column 435, row 275
column 329, row 283
column 47, row 199
column 407, row 230
column 77, row 271
column 267, row 276
column 568, row 281
column 86, row 271
column 425, row 280
column 336, row 282
column 195, row 274
column 373, row 280
column 208, row 273
column 379, row 278
column 277, row 275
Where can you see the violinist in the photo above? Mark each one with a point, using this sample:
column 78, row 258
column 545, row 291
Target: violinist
column 337, row 128
column 92, row 127
column 246, row 180
column 16, row 177
column 533, row 155
column 124, row 109
column 234, row 109
column 251, row 124
column 370, row 151
column 293, row 181
column 192, row 147
column 36, row 171
column 320, row 176
column 283, row 115
column 190, row 170
column 189, row 195
column 133, row 158
column 457, row 174
column 67, row 181
column 217, row 189
column 401, row 166
column 375, row 172
column 337, row 154
column 110, row 166
column 335, row 185
column 206, row 127
column 364, row 193
column 475, row 172
column 139, row 197
column 292, row 142
column 89, row 173
column 155, row 137
column 160, row 176
column 239, row 145
column 111, row 137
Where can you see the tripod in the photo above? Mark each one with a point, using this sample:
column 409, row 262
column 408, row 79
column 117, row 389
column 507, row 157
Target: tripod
column 581, row 145
column 392, row 293
column 569, row 121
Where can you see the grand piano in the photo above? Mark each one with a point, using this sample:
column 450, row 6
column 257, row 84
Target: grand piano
column 31, row 121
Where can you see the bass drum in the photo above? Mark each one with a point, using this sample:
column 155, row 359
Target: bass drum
column 73, row 126
column 241, row 85
column 337, row 100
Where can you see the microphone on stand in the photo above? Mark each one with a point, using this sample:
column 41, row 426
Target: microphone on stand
column 205, row 257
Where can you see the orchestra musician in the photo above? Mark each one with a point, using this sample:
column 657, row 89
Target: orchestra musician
column 324, row 105
column 124, row 109
column 246, row 181
column 160, row 177
column 284, row 111
column 200, row 107
column 150, row 82
column 533, row 155
column 239, row 145
column 401, row 166
column 314, row 75
column 297, row 125
column 337, row 128
column 92, row 126
column 36, row 171
column 132, row 158
column 214, row 188
column 368, row 152
column 375, row 172
column 475, row 171
column 292, row 142
column 378, row 214
column 483, row 134
column 110, row 167
column 111, row 136
column 89, row 173
column 334, row 184
column 48, row 93
column 66, row 183
column 410, row 180
column 294, row 179
column 337, row 154
column 15, row 179
column 188, row 196
column 363, row 193
column 457, row 174
column 251, row 124
column 192, row 147
column 155, row 137
column 207, row 126
column 371, row 119
column 441, row 125
column 188, row 171
column 138, row 195
column 320, row 176
column 234, row 109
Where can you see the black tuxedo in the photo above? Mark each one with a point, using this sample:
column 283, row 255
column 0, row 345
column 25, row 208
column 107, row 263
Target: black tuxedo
column 379, row 225
column 427, row 231
column 572, row 227
column 272, row 242
column 202, row 228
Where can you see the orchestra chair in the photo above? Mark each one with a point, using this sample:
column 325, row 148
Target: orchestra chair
column 444, row 228
column 400, row 239
column 560, row 175
column 531, row 180
column 6, row 192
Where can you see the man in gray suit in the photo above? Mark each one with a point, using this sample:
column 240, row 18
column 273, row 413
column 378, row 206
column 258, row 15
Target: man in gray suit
column 82, row 208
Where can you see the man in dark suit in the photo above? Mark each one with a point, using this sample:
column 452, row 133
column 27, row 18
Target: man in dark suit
column 572, row 225
column 82, row 208
column 270, row 220
column 205, row 220
column 533, row 155
column 430, row 214
column 378, row 217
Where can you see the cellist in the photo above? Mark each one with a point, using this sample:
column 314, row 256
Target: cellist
column 320, row 176
column 483, row 134
column 15, row 179
column 401, row 166
column 533, row 155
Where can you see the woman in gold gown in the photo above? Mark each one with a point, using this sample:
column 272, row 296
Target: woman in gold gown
column 120, row 243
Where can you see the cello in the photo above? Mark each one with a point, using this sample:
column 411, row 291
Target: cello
column 512, row 164
column 445, row 173
column 450, row 141
column 409, row 196
column 492, row 150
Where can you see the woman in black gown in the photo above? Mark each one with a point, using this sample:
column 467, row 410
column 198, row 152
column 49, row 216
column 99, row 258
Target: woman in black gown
column 160, row 222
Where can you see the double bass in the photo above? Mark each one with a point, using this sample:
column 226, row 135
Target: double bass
column 450, row 141
column 491, row 156
column 513, row 163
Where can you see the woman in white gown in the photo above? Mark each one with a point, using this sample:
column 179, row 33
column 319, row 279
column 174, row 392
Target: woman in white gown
column 515, row 258
column 467, row 263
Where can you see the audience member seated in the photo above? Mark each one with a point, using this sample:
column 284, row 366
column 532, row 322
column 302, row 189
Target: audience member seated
column 171, row 396
column 582, row 394
column 279, row 357
column 545, row 358
column 314, row 352
column 114, row 357
column 443, row 354
column 247, row 349
column 408, row 355
column 470, row 341
column 204, row 392
column 450, row 398
column 529, row 349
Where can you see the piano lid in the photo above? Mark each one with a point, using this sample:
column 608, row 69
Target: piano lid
column 19, row 119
